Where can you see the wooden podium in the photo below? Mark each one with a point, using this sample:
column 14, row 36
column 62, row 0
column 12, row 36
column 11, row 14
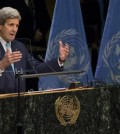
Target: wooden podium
column 74, row 111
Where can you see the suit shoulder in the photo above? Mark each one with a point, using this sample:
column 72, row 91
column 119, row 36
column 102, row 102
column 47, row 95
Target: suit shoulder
column 17, row 42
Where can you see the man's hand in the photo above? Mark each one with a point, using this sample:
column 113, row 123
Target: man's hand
column 64, row 51
column 10, row 58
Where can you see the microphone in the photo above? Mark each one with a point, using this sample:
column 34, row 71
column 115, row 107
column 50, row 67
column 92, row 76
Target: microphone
column 30, row 61
column 29, row 48
column 67, row 82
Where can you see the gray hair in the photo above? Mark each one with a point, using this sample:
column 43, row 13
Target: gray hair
column 8, row 13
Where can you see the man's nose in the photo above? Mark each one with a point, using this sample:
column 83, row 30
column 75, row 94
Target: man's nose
column 15, row 28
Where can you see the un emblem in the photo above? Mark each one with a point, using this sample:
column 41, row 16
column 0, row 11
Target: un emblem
column 67, row 109
column 111, row 58
column 78, row 58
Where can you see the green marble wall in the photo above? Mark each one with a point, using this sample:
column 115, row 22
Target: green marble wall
column 99, row 113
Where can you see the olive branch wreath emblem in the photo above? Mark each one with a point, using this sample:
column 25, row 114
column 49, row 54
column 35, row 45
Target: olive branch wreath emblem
column 107, row 52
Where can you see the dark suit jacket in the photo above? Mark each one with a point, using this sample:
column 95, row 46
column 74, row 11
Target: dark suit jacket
column 8, row 82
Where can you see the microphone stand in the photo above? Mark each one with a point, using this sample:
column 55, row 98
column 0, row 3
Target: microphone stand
column 72, row 85
column 19, row 124
column 53, row 73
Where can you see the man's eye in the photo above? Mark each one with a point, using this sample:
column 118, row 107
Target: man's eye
column 17, row 25
column 10, row 24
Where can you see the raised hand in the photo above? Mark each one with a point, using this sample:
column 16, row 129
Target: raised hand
column 63, row 51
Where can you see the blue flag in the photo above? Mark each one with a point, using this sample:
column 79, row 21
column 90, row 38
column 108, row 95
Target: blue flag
column 67, row 26
column 108, row 66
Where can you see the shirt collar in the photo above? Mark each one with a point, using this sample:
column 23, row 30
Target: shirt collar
column 3, row 42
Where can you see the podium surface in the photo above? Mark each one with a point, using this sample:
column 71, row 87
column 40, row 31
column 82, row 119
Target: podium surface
column 74, row 111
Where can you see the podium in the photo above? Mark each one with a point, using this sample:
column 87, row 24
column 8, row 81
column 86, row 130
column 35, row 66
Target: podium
column 74, row 111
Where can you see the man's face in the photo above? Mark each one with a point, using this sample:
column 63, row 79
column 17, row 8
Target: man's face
column 9, row 29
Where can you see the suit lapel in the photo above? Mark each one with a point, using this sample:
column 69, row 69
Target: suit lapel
column 2, row 51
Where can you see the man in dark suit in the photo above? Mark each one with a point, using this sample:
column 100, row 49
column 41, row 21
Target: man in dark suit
column 33, row 28
column 17, row 54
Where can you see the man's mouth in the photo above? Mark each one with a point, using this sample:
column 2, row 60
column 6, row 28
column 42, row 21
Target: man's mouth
column 12, row 34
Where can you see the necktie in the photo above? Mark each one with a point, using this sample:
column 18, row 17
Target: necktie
column 8, row 47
